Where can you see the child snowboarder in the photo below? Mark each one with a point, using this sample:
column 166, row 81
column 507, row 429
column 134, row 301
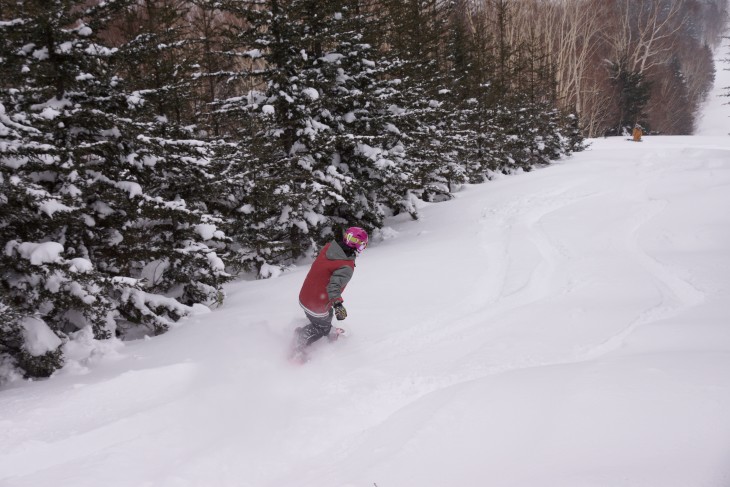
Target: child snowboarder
column 321, row 294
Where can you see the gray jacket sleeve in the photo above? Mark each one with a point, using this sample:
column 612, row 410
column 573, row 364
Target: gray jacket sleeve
column 338, row 281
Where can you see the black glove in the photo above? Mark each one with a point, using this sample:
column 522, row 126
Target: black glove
column 340, row 311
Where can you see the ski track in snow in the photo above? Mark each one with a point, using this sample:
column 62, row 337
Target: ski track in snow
column 527, row 269
column 572, row 319
column 525, row 265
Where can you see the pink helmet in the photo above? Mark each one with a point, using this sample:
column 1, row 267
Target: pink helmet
column 356, row 238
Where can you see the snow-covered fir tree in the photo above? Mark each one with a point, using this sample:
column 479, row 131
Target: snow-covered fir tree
column 260, row 181
column 146, row 147
column 95, row 223
column 315, row 146
column 169, row 156
column 423, row 100
column 55, row 80
column 368, row 143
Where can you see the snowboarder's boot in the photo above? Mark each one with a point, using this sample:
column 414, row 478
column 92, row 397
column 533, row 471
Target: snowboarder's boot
column 336, row 333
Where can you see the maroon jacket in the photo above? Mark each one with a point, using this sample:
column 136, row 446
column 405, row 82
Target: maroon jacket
column 323, row 286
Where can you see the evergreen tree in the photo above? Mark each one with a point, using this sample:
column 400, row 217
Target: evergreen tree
column 633, row 93
column 368, row 143
column 54, row 81
column 473, row 138
column 168, row 163
column 97, row 224
column 264, row 193
column 161, row 57
column 423, row 98
column 315, row 146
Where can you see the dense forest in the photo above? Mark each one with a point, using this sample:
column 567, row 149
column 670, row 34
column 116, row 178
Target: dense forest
column 152, row 150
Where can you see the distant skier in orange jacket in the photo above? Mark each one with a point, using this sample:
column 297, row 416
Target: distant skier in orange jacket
column 637, row 133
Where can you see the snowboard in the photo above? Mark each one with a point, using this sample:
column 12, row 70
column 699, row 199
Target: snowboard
column 300, row 356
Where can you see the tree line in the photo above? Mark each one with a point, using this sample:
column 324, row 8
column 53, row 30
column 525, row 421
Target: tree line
column 623, row 62
column 151, row 150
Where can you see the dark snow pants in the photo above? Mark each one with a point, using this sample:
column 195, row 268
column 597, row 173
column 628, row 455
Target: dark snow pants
column 316, row 329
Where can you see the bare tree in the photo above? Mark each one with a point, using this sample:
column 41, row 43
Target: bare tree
column 644, row 34
column 571, row 31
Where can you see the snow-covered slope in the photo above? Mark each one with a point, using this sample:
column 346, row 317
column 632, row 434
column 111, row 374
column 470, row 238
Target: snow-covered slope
column 565, row 327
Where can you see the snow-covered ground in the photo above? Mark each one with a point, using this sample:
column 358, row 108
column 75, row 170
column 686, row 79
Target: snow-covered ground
column 565, row 327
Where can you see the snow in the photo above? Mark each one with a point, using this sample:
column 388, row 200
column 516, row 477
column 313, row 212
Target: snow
column 52, row 108
column 83, row 352
column 49, row 207
column 85, row 31
column 49, row 113
column 332, row 57
column 36, row 253
column 563, row 327
column 41, row 54
column 206, row 230
column 385, row 233
column 572, row 319
column 134, row 189
column 311, row 93
column 246, row 209
column 112, row 132
column 136, row 98
column 10, row 23
column 39, row 339
column 81, row 265
column 368, row 151
column 98, row 50
column 153, row 272
column 216, row 263
column 76, row 289
column 268, row 270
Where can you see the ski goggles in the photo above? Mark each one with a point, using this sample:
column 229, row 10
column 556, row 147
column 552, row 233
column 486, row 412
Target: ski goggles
column 355, row 243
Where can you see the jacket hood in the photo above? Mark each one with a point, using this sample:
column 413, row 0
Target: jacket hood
column 338, row 251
